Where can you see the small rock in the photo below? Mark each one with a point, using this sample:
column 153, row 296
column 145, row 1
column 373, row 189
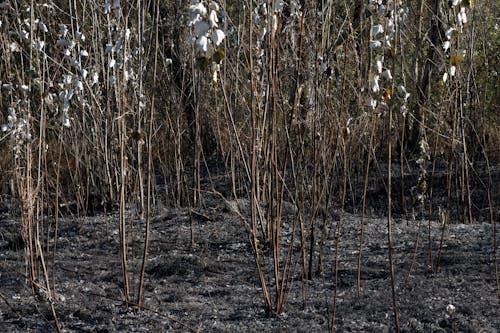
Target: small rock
column 450, row 308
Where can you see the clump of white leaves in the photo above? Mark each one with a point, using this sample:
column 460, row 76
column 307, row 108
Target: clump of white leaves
column 18, row 129
column 266, row 21
column 382, row 35
column 71, row 86
column 113, row 7
column 206, row 18
column 458, row 10
column 68, row 50
column 17, row 92
column 423, row 163
column 119, row 52
column 382, row 82
column 124, row 54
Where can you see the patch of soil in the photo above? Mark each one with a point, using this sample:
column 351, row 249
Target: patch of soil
column 201, row 275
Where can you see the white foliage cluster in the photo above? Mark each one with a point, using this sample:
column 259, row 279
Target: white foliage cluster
column 123, row 57
column 17, row 127
column 71, row 86
column 423, row 164
column 204, row 18
column 17, row 122
column 384, row 17
column 64, row 46
column 458, row 10
column 113, row 7
column 266, row 21
column 70, row 45
column 117, row 57
column 383, row 33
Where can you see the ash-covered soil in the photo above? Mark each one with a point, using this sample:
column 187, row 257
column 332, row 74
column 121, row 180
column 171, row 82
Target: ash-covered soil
column 201, row 275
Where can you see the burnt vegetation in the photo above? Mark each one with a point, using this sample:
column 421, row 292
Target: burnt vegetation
column 286, row 140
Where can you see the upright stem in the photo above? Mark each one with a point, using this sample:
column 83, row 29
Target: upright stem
column 363, row 208
column 389, row 188
column 389, row 223
column 150, row 166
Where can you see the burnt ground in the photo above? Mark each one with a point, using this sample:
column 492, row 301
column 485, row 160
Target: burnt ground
column 201, row 275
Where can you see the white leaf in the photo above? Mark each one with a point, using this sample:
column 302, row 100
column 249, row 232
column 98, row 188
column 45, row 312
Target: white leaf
column 213, row 19
column 390, row 25
column 445, row 77
column 38, row 45
column 214, row 77
column 198, row 8
column 453, row 70
column 78, row 85
column 79, row 36
column 14, row 47
column 95, row 78
column 67, row 79
column 375, row 44
column 449, row 33
column 42, row 27
column 374, row 84
column 406, row 96
column 377, row 29
column 214, row 5
column 218, row 36
column 107, row 8
column 256, row 18
column 63, row 30
column 278, row 6
column 387, row 74
column 381, row 9
column 202, row 43
column 109, row 48
column 118, row 44
column 66, row 122
column 193, row 19
column 24, row 34
column 446, row 45
column 275, row 23
column 324, row 67
column 463, row 15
